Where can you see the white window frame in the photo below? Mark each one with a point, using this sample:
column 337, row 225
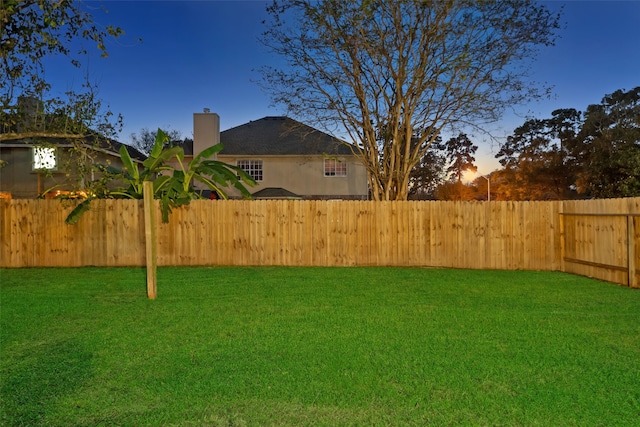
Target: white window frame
column 335, row 168
column 252, row 167
column 45, row 158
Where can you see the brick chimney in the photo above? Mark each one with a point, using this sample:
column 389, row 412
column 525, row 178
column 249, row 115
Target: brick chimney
column 206, row 130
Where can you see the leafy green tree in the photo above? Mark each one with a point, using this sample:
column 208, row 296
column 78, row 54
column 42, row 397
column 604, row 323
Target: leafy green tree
column 540, row 157
column 32, row 32
column 427, row 175
column 362, row 66
column 455, row 190
column 595, row 154
column 459, row 152
column 609, row 146
column 173, row 186
column 146, row 139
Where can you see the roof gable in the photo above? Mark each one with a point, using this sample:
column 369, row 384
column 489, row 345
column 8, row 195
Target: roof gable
column 279, row 136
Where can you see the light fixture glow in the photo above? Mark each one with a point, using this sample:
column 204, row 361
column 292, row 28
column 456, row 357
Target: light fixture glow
column 44, row 158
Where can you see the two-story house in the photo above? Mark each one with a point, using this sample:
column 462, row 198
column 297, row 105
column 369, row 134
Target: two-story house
column 288, row 159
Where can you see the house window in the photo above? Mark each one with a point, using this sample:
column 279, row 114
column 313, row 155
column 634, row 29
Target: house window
column 252, row 167
column 44, row 158
column 333, row 167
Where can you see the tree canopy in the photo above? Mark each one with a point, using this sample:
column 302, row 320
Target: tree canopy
column 460, row 153
column 32, row 31
column 394, row 75
column 32, row 108
column 146, row 139
column 609, row 146
column 575, row 154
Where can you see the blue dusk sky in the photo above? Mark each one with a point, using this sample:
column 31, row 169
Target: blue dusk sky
column 206, row 54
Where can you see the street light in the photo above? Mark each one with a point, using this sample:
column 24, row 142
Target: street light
column 488, row 178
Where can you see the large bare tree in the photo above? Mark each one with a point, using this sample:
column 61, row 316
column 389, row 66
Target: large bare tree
column 385, row 71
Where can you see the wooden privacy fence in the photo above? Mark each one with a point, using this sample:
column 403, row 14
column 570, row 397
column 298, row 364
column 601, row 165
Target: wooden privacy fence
column 601, row 239
column 496, row 235
column 477, row 235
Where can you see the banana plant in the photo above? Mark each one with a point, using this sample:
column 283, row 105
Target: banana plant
column 173, row 186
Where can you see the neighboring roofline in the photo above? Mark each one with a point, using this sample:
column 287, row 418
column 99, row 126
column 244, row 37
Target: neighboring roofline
column 136, row 155
column 12, row 136
column 275, row 193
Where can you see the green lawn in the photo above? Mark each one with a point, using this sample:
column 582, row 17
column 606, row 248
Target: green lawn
column 316, row 346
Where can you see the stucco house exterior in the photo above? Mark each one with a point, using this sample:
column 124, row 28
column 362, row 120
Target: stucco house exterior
column 288, row 159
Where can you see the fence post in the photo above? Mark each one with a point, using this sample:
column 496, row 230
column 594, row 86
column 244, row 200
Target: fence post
column 561, row 234
column 631, row 252
column 150, row 239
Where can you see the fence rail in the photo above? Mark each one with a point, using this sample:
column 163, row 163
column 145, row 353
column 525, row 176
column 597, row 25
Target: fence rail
column 601, row 239
column 476, row 235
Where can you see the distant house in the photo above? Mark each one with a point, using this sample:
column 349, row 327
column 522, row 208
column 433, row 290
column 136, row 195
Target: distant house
column 33, row 161
column 31, row 166
column 288, row 159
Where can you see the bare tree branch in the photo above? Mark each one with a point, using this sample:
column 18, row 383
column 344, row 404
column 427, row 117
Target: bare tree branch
column 388, row 72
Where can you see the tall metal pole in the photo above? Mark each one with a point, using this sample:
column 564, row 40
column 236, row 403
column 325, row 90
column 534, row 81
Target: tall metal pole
column 488, row 178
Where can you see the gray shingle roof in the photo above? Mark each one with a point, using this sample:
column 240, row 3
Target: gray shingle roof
column 275, row 193
column 279, row 136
